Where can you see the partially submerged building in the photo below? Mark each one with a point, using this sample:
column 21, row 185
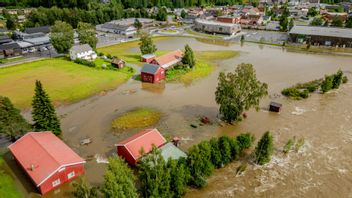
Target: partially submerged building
column 216, row 27
column 152, row 73
column 317, row 35
column 168, row 60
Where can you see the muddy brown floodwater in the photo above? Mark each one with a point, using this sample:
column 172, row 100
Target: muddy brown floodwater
column 322, row 168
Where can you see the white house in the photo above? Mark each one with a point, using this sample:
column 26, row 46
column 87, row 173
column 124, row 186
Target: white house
column 83, row 52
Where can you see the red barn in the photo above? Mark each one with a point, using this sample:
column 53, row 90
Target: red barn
column 47, row 160
column 152, row 73
column 168, row 60
column 130, row 149
column 147, row 58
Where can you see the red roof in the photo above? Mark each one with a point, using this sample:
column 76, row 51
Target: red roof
column 144, row 139
column 42, row 154
column 169, row 58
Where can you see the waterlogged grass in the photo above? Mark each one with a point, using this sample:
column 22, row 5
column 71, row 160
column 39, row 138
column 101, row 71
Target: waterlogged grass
column 139, row 118
column 121, row 50
column 189, row 31
column 205, row 64
column 7, row 184
column 65, row 81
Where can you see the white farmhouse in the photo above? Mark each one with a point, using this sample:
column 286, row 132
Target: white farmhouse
column 83, row 52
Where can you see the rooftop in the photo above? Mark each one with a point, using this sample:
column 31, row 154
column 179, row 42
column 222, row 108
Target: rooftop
column 207, row 22
column 150, row 68
column 322, row 31
column 169, row 150
column 80, row 48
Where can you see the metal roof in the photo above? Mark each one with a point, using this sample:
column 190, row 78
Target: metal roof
column 322, row 31
column 215, row 23
column 169, row 150
column 150, row 68
column 80, row 48
column 43, row 29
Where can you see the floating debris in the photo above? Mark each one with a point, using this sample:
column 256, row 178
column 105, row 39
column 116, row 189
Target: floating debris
column 129, row 92
column 298, row 111
column 101, row 159
column 85, row 141
column 205, row 120
column 194, row 126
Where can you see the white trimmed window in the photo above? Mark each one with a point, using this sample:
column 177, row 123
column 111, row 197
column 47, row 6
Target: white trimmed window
column 71, row 174
column 56, row 182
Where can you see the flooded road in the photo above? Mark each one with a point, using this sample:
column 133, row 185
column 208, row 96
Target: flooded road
column 321, row 169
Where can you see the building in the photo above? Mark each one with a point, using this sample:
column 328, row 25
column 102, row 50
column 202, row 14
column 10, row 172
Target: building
column 168, row 60
column 118, row 63
column 41, row 29
column 317, row 35
column 216, row 27
column 275, row 107
column 82, row 52
column 147, row 58
column 152, row 73
column 47, row 160
column 229, row 19
column 124, row 26
column 169, row 150
column 132, row 148
column 10, row 49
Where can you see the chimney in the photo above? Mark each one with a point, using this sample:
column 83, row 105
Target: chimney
column 32, row 167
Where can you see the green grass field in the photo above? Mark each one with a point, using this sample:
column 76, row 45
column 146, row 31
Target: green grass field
column 7, row 184
column 64, row 81
column 138, row 118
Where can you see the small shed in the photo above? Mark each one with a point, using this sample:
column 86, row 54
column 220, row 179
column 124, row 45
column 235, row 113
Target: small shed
column 169, row 150
column 275, row 107
column 147, row 58
column 152, row 73
column 118, row 63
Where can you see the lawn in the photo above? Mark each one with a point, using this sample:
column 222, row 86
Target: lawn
column 138, row 118
column 7, row 185
column 205, row 64
column 64, row 81
column 121, row 50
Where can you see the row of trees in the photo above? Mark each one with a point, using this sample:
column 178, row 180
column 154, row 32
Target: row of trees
column 336, row 22
column 44, row 116
column 62, row 35
column 86, row 4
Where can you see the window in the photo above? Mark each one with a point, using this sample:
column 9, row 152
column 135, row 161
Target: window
column 71, row 174
column 56, row 182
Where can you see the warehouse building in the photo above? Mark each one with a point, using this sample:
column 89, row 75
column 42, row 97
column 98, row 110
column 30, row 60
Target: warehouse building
column 216, row 27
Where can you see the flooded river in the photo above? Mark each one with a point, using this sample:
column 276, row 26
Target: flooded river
column 322, row 168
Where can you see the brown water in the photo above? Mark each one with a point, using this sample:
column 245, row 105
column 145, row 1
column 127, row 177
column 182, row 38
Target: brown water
column 322, row 168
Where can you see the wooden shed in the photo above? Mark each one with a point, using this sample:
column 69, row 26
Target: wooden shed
column 275, row 107
column 152, row 73
column 118, row 63
column 147, row 58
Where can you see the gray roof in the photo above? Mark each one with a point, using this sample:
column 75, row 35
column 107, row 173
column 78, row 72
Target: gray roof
column 150, row 68
column 8, row 46
column 42, row 29
column 169, row 150
column 322, row 31
column 80, row 48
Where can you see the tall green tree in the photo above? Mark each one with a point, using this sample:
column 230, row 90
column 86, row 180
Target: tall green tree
column 84, row 190
column 11, row 23
column 11, row 121
column 146, row 45
column 188, row 57
column 348, row 23
column 87, row 34
column 179, row 176
column 264, row 149
column 61, row 36
column 154, row 176
column 137, row 24
column 43, row 112
column 245, row 140
column 238, row 91
column 119, row 180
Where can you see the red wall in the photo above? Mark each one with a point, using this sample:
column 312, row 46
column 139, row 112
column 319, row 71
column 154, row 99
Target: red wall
column 47, row 185
column 157, row 77
column 123, row 152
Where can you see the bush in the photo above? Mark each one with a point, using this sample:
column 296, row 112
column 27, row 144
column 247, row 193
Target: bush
column 100, row 54
column 85, row 62
column 292, row 92
column 245, row 140
column 215, row 153
column 336, row 82
column 344, row 79
column 288, row 146
column 109, row 56
column 225, row 148
column 304, row 94
column 327, row 84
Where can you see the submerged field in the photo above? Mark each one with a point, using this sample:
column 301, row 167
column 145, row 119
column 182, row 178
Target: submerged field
column 64, row 81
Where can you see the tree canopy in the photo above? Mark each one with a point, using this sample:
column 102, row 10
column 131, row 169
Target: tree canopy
column 87, row 34
column 61, row 36
column 237, row 92
column 188, row 57
column 146, row 44
column 264, row 149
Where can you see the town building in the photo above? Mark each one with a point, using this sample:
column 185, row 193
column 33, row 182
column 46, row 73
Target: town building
column 152, row 73
column 10, row 49
column 168, row 60
column 47, row 160
column 318, row 35
column 132, row 148
column 41, row 29
column 82, row 52
column 124, row 26
column 118, row 63
column 229, row 19
column 216, row 27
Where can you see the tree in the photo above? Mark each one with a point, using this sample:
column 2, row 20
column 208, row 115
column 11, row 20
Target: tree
column 215, row 152
column 137, row 24
column 264, row 149
column 43, row 113
column 154, row 176
column 291, row 24
column 183, row 14
column 327, row 84
column 238, row 91
column 312, row 12
column 146, row 45
column 337, row 22
column 119, row 180
column 188, row 57
column 349, row 22
column 283, row 23
column 10, row 23
column 61, row 36
column 337, row 79
column 225, row 148
column 179, row 176
column 11, row 121
column 317, row 21
column 87, row 34
column 84, row 190
column 245, row 140
column 161, row 15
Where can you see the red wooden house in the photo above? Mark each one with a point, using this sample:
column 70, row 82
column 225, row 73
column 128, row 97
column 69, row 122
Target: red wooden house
column 168, row 60
column 147, row 58
column 47, row 160
column 152, row 73
column 130, row 149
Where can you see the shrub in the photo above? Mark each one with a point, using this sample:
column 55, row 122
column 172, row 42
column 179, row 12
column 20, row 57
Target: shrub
column 215, row 153
column 337, row 79
column 327, row 84
column 288, row 146
column 225, row 148
column 264, row 149
column 304, row 94
column 109, row 56
column 100, row 54
column 85, row 62
column 245, row 140
column 344, row 79
column 292, row 92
